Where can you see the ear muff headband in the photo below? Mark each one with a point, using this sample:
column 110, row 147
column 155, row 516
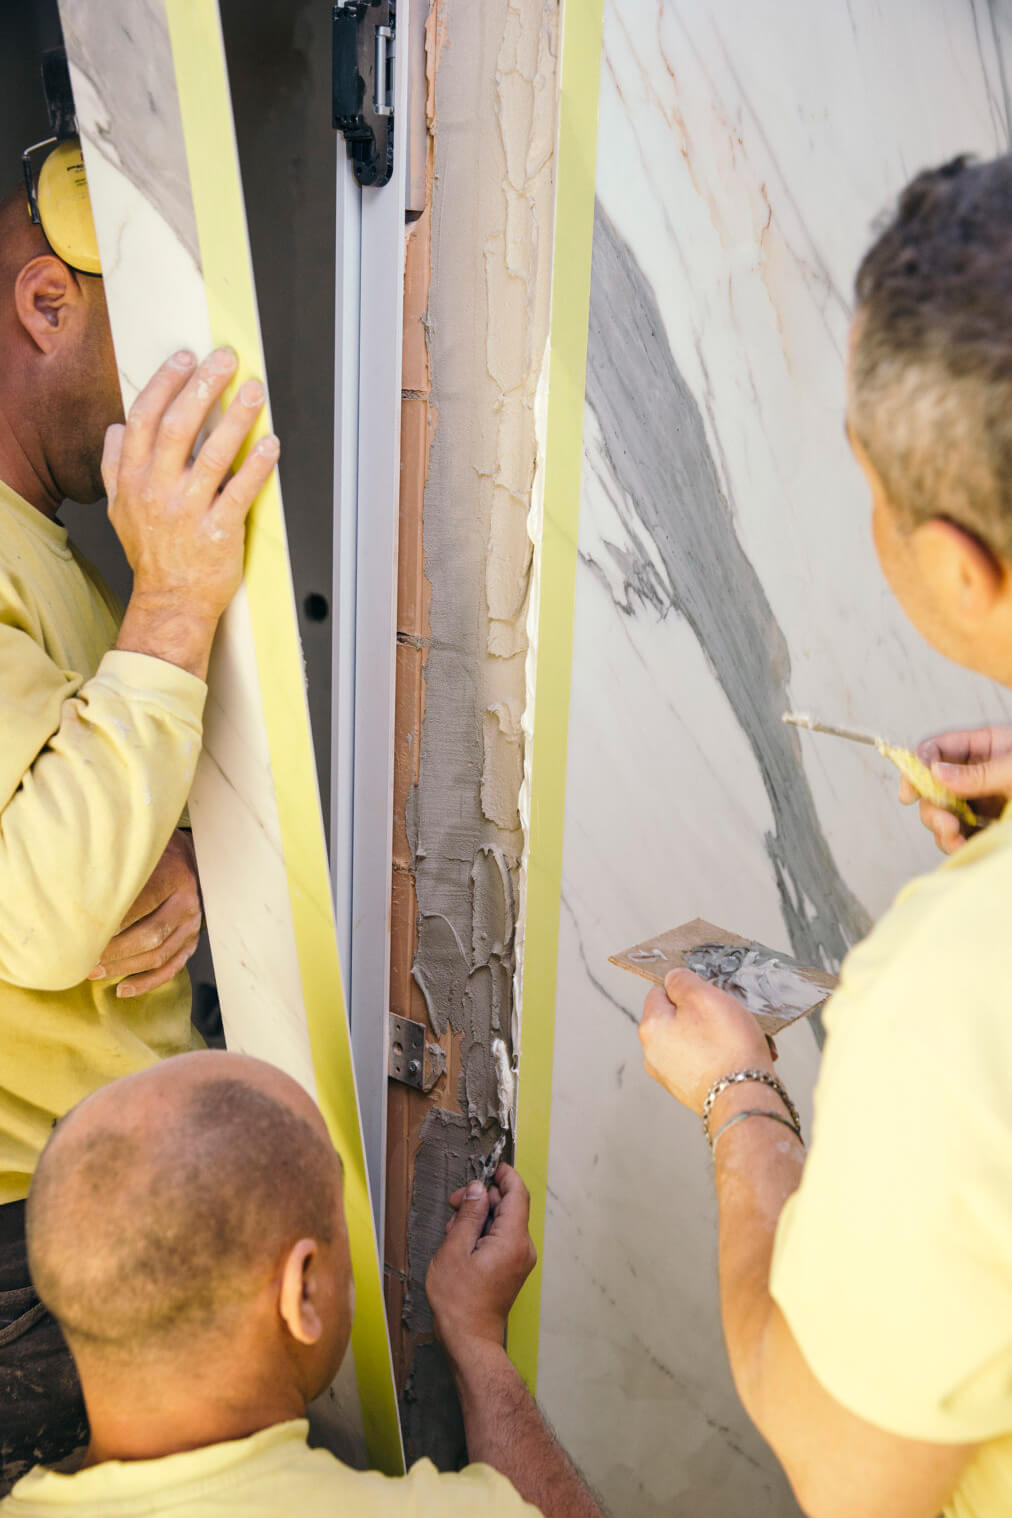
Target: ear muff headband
column 65, row 208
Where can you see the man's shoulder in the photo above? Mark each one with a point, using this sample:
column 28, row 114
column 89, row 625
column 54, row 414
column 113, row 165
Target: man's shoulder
column 927, row 991
column 269, row 1475
column 17, row 596
column 424, row 1492
column 948, row 923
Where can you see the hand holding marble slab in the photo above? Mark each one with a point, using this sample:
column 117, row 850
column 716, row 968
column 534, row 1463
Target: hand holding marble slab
column 775, row 987
column 154, row 108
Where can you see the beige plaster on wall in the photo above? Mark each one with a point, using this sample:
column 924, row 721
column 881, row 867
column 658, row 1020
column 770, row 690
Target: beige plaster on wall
column 492, row 115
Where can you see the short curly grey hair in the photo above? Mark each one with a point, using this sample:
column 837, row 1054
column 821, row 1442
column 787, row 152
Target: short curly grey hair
column 930, row 383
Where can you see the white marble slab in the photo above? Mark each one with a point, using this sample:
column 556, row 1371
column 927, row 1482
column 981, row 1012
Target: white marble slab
column 128, row 111
column 725, row 572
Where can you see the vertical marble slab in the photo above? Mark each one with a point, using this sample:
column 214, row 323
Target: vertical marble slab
column 129, row 114
column 725, row 573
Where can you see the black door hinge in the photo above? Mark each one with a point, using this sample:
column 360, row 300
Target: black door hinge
column 364, row 34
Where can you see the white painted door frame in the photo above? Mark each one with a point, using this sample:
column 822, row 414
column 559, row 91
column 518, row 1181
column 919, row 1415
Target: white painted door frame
column 367, row 426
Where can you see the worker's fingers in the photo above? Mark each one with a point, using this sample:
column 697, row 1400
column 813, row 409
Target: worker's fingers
column 139, row 985
column 991, row 777
column 183, row 418
column 112, row 450
column 160, row 888
column 945, row 827
column 512, row 1215
column 218, row 453
column 657, row 1010
column 494, row 1196
column 907, row 793
column 150, row 943
column 174, row 875
column 146, row 413
column 972, row 745
column 246, row 484
column 468, row 1220
column 146, row 934
column 681, row 986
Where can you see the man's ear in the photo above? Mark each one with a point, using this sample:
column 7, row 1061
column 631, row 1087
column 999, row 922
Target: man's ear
column 47, row 297
column 963, row 575
column 298, row 1303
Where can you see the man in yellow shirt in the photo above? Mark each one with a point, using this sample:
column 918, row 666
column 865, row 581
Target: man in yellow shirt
column 101, row 723
column 867, row 1289
column 213, row 1297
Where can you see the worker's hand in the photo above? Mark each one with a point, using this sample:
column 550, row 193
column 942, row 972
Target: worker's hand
column 977, row 765
column 182, row 523
column 692, row 1034
column 161, row 929
column 473, row 1281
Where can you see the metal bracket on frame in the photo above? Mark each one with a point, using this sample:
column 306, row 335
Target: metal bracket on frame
column 411, row 1060
column 364, row 38
column 407, row 1051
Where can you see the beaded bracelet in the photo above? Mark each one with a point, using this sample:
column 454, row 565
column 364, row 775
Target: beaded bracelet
column 739, row 1117
column 735, row 1079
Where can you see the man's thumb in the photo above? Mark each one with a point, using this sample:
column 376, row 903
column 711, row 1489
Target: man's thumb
column 112, row 448
column 471, row 1215
column 990, row 778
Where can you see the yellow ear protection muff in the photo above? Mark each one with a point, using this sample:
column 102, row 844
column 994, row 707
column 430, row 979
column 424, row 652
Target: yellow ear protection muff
column 58, row 202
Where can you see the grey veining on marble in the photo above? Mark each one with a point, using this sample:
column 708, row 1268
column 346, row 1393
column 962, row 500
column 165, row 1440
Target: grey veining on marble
column 999, row 19
column 137, row 125
column 654, row 440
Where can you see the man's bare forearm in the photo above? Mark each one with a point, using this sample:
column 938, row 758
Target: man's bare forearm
column 758, row 1166
column 170, row 628
column 505, row 1430
column 838, row 1465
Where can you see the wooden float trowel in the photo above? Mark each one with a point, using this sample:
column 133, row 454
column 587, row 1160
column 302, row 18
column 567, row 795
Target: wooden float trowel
column 774, row 986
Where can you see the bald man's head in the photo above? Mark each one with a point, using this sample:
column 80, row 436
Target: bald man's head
column 59, row 389
column 164, row 1206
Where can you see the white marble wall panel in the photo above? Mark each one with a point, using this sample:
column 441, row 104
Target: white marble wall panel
column 725, row 572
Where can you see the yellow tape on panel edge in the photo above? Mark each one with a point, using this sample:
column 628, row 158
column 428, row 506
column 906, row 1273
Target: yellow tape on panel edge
column 575, row 171
column 206, row 109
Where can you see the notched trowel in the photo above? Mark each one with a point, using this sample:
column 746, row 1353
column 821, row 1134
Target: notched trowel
column 774, row 986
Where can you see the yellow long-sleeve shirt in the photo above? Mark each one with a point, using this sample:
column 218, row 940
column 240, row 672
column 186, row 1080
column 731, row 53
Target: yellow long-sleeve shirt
column 97, row 753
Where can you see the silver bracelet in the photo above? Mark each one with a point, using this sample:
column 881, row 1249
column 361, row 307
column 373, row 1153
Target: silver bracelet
column 740, row 1117
column 735, row 1079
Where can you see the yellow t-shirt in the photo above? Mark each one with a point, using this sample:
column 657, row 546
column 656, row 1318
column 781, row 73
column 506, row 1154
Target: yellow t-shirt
column 893, row 1260
column 273, row 1474
column 97, row 756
